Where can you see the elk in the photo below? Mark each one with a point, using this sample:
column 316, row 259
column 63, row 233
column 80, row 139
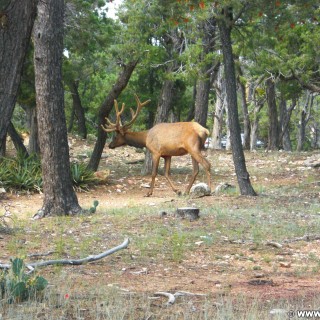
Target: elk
column 163, row 140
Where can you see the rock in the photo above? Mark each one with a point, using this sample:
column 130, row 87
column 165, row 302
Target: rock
column 2, row 190
column 223, row 187
column 200, row 190
column 313, row 161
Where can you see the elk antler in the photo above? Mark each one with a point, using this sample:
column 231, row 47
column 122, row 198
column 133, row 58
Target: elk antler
column 114, row 126
column 135, row 114
column 118, row 126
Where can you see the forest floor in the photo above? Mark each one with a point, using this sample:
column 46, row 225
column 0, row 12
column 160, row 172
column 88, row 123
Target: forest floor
column 265, row 247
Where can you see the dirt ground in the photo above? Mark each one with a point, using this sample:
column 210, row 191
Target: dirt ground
column 198, row 272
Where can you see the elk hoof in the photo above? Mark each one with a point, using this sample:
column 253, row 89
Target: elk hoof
column 148, row 194
column 178, row 192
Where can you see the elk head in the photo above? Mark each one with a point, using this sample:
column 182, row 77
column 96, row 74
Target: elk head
column 122, row 130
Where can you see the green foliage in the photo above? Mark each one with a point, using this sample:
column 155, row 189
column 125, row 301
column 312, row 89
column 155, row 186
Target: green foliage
column 81, row 176
column 94, row 207
column 17, row 286
column 24, row 174
column 21, row 173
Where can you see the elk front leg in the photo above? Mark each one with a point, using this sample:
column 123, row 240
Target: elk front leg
column 155, row 165
column 167, row 164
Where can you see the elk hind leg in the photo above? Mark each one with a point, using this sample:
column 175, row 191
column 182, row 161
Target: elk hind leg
column 167, row 164
column 196, row 159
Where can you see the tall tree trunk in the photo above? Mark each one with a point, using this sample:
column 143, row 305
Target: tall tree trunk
column 78, row 109
column 59, row 196
column 221, row 101
column 17, row 140
column 17, row 18
column 224, row 24
column 106, row 108
column 273, row 132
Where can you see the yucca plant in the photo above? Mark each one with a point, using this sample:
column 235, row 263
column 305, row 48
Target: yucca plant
column 82, row 177
column 24, row 174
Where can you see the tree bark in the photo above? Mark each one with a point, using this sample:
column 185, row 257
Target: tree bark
column 15, row 32
column 106, row 108
column 59, row 196
column 273, row 132
column 224, row 24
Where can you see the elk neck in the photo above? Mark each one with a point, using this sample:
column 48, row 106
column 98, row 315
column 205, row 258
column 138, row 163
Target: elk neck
column 136, row 139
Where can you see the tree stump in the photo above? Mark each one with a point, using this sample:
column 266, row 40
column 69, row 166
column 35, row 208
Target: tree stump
column 188, row 213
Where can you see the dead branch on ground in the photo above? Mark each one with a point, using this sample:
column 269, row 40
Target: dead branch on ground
column 75, row 262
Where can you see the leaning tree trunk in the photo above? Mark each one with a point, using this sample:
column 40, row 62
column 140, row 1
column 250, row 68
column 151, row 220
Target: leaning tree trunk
column 273, row 132
column 59, row 196
column 105, row 109
column 224, row 24
column 16, row 22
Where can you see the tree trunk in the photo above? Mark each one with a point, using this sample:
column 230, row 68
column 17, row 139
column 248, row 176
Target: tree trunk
column 204, row 81
column 15, row 31
column 202, row 101
column 59, row 196
column 224, row 24
column 246, row 119
column 255, row 125
column 105, row 109
column 285, row 115
column 33, row 138
column 78, row 109
column 304, row 118
column 220, row 106
column 273, row 132
column 17, row 140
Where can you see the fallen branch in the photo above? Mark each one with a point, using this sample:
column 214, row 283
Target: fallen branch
column 75, row 262
column 170, row 296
